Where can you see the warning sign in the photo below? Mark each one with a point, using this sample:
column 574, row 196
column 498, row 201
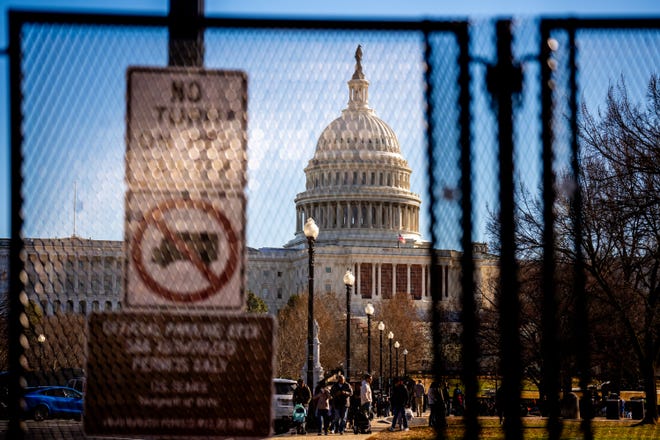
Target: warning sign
column 186, row 128
column 185, row 249
column 166, row 374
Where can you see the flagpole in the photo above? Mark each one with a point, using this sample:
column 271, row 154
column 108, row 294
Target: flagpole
column 75, row 197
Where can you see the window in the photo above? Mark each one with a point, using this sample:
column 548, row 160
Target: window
column 108, row 267
column 279, row 293
column 328, row 269
column 279, row 274
column 328, row 288
column 81, row 288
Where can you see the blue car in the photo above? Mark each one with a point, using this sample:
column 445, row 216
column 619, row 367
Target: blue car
column 45, row 402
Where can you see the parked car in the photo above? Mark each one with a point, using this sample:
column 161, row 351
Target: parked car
column 282, row 404
column 45, row 402
column 78, row 383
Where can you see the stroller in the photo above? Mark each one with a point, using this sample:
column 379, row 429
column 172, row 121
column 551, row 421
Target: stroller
column 299, row 417
column 361, row 423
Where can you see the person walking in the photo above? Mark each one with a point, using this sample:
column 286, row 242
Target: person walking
column 366, row 398
column 418, row 392
column 457, row 401
column 398, row 401
column 341, row 392
column 302, row 396
column 437, row 418
column 447, row 398
column 322, row 402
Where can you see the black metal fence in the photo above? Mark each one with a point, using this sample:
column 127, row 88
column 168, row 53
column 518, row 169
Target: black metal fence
column 489, row 116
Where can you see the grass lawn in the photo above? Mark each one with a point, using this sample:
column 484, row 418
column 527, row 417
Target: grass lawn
column 534, row 428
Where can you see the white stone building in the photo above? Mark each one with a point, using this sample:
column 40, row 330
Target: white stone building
column 358, row 192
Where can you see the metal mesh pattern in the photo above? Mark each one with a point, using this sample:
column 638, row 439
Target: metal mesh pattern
column 135, row 234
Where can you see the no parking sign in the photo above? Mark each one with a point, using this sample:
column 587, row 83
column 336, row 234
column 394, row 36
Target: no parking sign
column 185, row 251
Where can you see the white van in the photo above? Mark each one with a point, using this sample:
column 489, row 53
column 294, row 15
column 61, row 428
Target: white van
column 282, row 404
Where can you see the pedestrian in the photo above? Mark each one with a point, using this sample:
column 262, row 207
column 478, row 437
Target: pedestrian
column 446, row 398
column 434, row 397
column 341, row 392
column 322, row 401
column 418, row 392
column 499, row 403
column 366, row 398
column 457, row 401
column 302, row 396
column 398, row 401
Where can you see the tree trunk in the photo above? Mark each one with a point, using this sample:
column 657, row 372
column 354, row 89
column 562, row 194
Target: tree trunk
column 648, row 371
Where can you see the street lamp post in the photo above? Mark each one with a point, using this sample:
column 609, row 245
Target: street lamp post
column 369, row 310
column 381, row 327
column 311, row 231
column 41, row 339
column 349, row 279
column 405, row 362
column 390, row 336
column 396, row 346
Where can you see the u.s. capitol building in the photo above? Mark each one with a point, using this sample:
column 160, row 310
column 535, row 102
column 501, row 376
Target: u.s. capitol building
column 357, row 190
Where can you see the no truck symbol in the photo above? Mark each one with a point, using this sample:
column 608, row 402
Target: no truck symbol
column 204, row 244
column 191, row 245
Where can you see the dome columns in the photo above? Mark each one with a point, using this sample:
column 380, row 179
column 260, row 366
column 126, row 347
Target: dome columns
column 360, row 215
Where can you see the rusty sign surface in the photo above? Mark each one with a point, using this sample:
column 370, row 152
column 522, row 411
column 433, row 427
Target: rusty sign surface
column 159, row 373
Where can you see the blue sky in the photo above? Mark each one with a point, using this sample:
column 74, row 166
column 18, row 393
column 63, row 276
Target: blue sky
column 411, row 9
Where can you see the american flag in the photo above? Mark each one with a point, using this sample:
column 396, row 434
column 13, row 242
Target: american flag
column 401, row 239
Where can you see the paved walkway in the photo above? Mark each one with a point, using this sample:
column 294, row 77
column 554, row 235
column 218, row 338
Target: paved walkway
column 377, row 424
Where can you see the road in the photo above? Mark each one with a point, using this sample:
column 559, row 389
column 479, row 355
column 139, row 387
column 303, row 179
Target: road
column 72, row 430
column 377, row 424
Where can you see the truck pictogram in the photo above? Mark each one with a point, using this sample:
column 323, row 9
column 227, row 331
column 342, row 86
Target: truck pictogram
column 204, row 244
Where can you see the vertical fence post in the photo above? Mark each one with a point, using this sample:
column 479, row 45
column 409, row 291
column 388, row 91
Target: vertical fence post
column 186, row 38
column 436, row 295
column 504, row 79
column 470, row 349
column 549, row 342
column 581, row 330
column 16, row 309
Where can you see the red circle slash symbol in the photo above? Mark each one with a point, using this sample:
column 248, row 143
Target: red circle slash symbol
column 156, row 218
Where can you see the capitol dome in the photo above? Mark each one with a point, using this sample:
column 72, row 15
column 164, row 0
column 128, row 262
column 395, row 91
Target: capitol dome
column 358, row 183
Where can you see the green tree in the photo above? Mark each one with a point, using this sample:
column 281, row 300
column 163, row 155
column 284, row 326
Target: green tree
column 255, row 304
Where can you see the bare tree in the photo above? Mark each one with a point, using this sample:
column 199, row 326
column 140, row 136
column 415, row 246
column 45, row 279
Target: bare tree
column 292, row 334
column 620, row 184
column 620, row 192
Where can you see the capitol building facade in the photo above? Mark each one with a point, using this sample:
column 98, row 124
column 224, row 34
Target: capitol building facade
column 358, row 192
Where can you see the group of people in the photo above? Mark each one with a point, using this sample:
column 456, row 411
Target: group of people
column 332, row 403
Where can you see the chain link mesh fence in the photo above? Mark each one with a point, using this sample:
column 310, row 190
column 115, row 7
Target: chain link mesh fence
column 415, row 216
